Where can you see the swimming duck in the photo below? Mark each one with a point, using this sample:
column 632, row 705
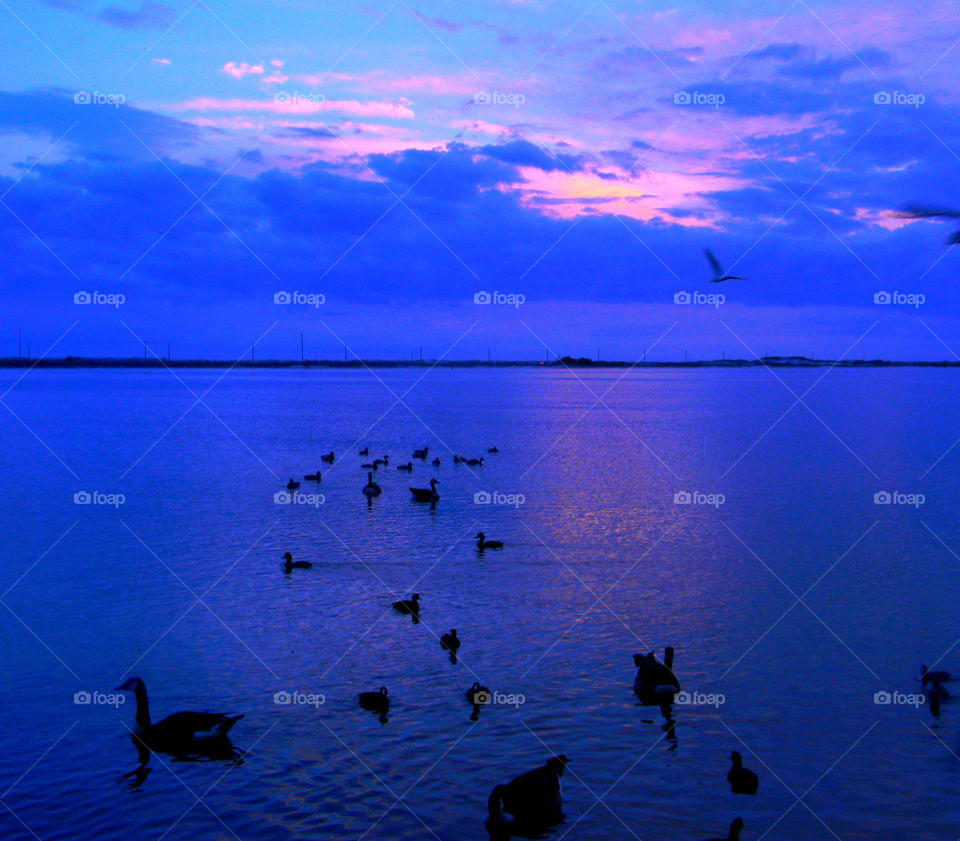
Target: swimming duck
column 328, row 458
column 473, row 461
column 734, row 834
column 371, row 489
column 421, row 453
column 742, row 781
column 365, row 451
column 933, row 677
column 181, row 733
column 411, row 605
column 408, row 467
column 478, row 694
column 450, row 642
column 289, row 563
column 493, row 450
column 426, row 494
column 483, row 543
column 535, row 799
column 377, row 702
column 313, row 477
column 436, row 462
column 655, row 682
column 291, row 485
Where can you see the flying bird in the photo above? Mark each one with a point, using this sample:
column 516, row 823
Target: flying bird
column 919, row 211
column 718, row 275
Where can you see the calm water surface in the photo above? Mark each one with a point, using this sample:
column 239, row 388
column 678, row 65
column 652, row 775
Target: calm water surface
column 797, row 599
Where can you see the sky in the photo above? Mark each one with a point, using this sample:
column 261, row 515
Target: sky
column 518, row 178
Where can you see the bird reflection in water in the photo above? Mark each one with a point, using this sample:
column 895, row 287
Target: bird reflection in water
column 209, row 750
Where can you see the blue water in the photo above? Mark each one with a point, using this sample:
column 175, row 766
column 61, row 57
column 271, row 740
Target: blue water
column 182, row 586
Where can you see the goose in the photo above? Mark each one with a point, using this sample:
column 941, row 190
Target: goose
column 436, row 462
column 365, row 451
column 734, row 834
column 421, row 453
column 742, row 781
column 371, row 489
column 313, row 477
column 474, row 462
column 291, row 485
column 426, row 494
column 450, row 642
column 718, row 275
column 483, row 543
column 478, row 694
column 289, row 563
column 933, row 677
column 653, row 677
column 181, row 733
column 328, row 458
column 408, row 467
column 377, row 702
column 493, row 450
column 411, row 605
column 535, row 799
column 499, row 823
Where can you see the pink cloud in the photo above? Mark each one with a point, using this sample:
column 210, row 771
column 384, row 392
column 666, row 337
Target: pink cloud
column 163, row 61
column 238, row 71
column 284, row 103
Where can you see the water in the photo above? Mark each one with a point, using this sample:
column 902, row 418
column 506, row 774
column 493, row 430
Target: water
column 182, row 586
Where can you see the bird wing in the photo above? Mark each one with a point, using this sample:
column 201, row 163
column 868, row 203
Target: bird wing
column 185, row 724
column 921, row 211
column 714, row 262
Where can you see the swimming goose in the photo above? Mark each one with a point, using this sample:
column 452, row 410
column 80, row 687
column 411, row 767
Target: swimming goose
column 734, row 834
column 376, row 702
column 291, row 485
column 180, row 733
column 421, row 453
column 365, row 451
column 289, row 563
column 426, row 494
column 436, row 462
column 328, row 458
column 411, row 605
column 450, row 642
column 535, row 799
column 371, row 489
column 933, row 677
column 478, row 694
column 313, row 477
column 408, row 467
column 483, row 543
column 742, row 781
column 655, row 682
column 473, row 461
column 493, row 450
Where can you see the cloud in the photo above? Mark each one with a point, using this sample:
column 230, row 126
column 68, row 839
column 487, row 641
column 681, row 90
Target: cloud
column 238, row 71
column 284, row 103
column 149, row 14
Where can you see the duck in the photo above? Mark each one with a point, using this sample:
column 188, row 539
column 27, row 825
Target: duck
column 436, row 462
column 426, row 494
column 371, row 489
column 365, row 451
column 478, row 694
column 328, row 458
column 742, row 781
column 411, row 605
column 933, row 677
column 289, row 563
column 291, row 485
column 182, row 733
column 474, row 462
column 377, row 702
column 483, row 543
column 408, row 467
column 313, row 477
column 655, row 682
column 421, row 453
column 450, row 642
column 493, row 450
column 734, row 833
column 534, row 799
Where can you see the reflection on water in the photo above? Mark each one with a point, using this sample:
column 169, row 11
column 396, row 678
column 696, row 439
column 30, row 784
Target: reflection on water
column 180, row 585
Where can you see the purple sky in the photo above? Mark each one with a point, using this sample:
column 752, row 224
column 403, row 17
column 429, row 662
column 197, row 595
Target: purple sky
column 397, row 159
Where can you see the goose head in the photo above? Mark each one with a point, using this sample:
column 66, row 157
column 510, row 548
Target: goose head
column 481, row 536
column 558, row 764
column 383, row 691
column 415, row 598
column 288, row 557
column 433, row 484
column 133, row 684
column 637, row 660
column 737, row 759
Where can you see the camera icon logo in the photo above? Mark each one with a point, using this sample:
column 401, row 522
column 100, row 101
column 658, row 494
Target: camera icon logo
column 282, row 298
column 282, row 697
column 882, row 697
column 682, row 698
column 281, row 97
column 681, row 98
column 481, row 697
column 681, row 297
column 882, row 297
column 481, row 98
column 682, row 498
column 482, row 298
column 881, row 98
column 482, row 498
column 882, row 498
column 282, row 498
column 81, row 697
column 82, row 98
column 81, row 297
column 82, row 498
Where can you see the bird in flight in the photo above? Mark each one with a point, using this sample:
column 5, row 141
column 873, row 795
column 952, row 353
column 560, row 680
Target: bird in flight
column 920, row 211
column 718, row 275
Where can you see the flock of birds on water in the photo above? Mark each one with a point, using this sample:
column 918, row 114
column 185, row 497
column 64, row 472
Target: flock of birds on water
column 526, row 806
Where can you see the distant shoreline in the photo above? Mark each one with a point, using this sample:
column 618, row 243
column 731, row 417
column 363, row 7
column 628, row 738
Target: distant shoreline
column 564, row 362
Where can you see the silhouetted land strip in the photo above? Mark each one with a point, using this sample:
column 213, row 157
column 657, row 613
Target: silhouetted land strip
column 563, row 362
